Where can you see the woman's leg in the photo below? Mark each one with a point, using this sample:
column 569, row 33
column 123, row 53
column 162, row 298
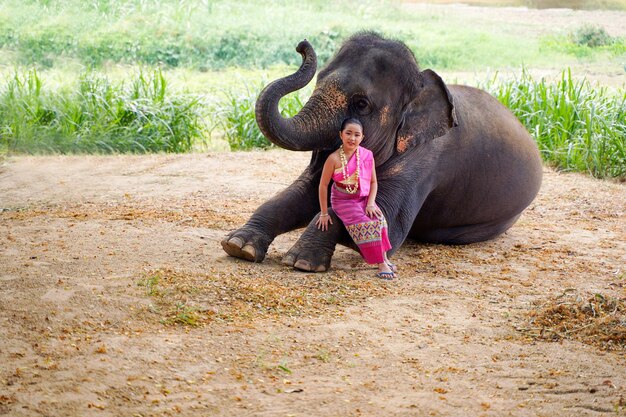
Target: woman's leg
column 392, row 266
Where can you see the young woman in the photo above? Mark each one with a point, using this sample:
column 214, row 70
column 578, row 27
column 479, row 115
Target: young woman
column 353, row 197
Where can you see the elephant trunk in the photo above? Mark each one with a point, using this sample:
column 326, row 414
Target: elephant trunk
column 311, row 128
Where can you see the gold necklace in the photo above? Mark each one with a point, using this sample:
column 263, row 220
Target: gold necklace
column 350, row 189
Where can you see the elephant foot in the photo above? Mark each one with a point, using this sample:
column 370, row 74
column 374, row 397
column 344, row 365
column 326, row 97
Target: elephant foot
column 308, row 260
column 247, row 244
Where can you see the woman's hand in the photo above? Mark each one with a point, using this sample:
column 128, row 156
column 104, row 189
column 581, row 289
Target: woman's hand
column 323, row 220
column 373, row 211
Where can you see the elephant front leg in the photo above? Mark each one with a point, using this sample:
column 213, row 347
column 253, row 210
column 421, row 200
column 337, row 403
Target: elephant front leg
column 291, row 209
column 315, row 248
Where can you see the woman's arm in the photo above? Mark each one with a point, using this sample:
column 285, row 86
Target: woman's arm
column 327, row 173
column 372, row 209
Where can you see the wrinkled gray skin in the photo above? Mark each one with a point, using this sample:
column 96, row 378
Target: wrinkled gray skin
column 453, row 164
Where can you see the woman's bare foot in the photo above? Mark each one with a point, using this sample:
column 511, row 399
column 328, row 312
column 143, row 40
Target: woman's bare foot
column 384, row 271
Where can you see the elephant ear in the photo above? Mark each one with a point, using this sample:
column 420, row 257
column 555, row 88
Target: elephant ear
column 430, row 115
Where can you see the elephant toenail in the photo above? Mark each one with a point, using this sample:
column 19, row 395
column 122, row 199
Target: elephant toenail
column 236, row 241
column 249, row 250
column 303, row 265
column 320, row 268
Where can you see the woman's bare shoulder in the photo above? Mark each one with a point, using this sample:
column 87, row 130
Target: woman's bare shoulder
column 334, row 158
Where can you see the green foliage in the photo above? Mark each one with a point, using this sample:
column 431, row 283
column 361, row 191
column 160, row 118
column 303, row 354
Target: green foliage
column 97, row 116
column 578, row 126
column 236, row 118
column 591, row 36
column 195, row 34
column 585, row 42
column 212, row 35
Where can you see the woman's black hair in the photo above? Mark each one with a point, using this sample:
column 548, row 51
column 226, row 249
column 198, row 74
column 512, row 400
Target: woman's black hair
column 351, row 121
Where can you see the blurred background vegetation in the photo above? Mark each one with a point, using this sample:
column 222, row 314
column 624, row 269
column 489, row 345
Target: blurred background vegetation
column 108, row 76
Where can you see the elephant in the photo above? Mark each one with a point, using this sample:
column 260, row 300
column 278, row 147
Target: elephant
column 454, row 165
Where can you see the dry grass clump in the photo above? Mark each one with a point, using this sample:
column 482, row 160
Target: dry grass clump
column 252, row 293
column 595, row 320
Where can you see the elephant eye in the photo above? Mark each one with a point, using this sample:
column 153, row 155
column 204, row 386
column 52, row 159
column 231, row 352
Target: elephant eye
column 361, row 105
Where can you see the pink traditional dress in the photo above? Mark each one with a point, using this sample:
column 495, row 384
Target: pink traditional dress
column 369, row 234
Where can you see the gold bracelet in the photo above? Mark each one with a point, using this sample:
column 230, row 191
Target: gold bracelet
column 324, row 215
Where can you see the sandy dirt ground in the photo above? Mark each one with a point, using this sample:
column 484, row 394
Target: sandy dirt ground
column 117, row 299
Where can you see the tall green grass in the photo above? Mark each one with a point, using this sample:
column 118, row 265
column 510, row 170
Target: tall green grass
column 235, row 117
column 97, row 116
column 578, row 126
